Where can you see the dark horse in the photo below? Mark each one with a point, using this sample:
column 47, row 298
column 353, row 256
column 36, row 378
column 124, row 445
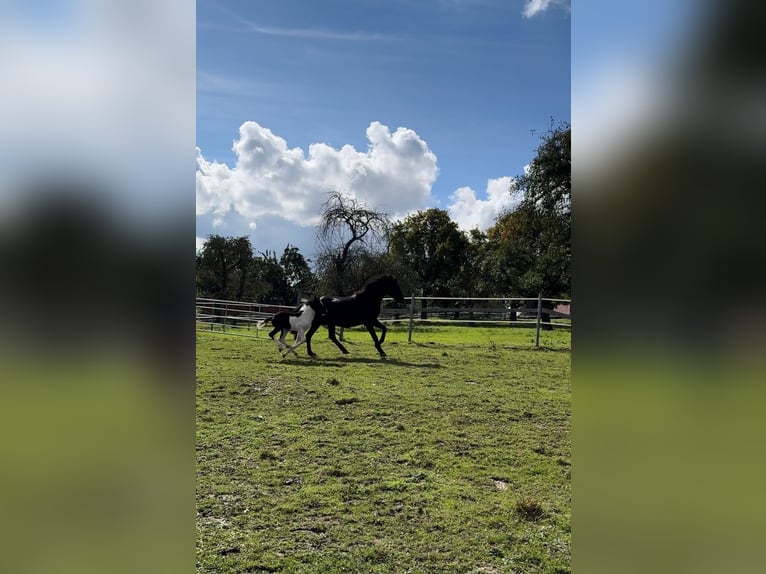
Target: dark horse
column 361, row 308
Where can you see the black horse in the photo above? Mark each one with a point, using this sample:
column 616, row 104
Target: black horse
column 361, row 308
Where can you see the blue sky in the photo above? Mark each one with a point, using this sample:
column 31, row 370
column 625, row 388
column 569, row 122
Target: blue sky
column 405, row 105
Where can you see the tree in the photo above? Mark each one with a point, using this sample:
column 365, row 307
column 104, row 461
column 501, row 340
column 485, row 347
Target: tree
column 530, row 247
column 545, row 215
column 472, row 281
column 285, row 279
column 297, row 272
column 225, row 268
column 349, row 234
column 511, row 261
column 434, row 250
column 547, row 184
column 274, row 278
column 228, row 269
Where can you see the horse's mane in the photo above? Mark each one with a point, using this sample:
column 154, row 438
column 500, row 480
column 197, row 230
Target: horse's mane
column 373, row 281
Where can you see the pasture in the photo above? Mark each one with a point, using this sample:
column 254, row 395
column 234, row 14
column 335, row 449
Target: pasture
column 452, row 455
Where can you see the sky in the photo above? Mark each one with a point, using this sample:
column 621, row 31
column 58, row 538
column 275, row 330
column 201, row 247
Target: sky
column 403, row 105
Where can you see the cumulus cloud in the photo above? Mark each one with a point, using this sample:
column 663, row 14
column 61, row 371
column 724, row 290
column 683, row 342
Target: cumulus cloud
column 471, row 212
column 394, row 174
column 534, row 7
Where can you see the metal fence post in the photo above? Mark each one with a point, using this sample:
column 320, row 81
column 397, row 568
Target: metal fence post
column 412, row 312
column 539, row 318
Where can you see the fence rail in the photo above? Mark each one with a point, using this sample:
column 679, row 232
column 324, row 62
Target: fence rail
column 242, row 317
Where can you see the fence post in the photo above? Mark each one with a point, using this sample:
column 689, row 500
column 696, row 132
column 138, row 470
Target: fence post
column 225, row 312
column 539, row 317
column 412, row 312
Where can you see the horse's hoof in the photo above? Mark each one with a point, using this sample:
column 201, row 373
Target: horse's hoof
column 345, row 352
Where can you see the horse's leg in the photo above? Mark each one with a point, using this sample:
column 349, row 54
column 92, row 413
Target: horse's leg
column 300, row 337
column 374, row 336
column 382, row 327
column 334, row 339
column 282, row 338
column 273, row 333
column 309, row 334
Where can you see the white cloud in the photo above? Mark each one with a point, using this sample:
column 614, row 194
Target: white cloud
column 470, row 212
column 535, row 7
column 199, row 242
column 394, row 174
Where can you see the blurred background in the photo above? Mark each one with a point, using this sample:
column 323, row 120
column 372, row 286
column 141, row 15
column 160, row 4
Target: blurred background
column 669, row 111
column 97, row 120
column 96, row 331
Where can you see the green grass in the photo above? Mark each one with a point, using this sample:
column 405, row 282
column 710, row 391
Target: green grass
column 452, row 455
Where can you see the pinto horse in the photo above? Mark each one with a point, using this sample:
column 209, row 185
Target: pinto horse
column 361, row 308
column 300, row 321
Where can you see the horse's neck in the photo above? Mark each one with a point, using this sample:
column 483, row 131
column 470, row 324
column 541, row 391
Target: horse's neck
column 374, row 298
column 374, row 301
column 371, row 293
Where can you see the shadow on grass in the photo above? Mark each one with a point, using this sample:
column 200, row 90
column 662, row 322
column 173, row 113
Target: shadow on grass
column 343, row 361
column 434, row 345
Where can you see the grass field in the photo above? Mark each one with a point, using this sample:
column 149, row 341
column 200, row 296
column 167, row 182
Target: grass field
column 452, row 455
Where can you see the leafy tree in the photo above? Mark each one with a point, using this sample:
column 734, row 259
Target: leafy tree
column 225, row 268
column 530, row 247
column 509, row 263
column 297, row 273
column 528, row 251
column 271, row 274
column 431, row 247
column 228, row 269
column 546, row 210
column 472, row 281
column 547, row 184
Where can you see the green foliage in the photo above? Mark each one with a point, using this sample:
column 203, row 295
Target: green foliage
column 286, row 278
column 529, row 248
column 547, row 185
column 416, row 463
column 432, row 248
column 297, row 271
column 227, row 269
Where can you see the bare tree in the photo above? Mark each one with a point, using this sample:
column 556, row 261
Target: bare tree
column 347, row 229
column 348, row 237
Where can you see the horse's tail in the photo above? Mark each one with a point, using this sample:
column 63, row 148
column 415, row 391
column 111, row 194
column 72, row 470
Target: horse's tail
column 262, row 324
